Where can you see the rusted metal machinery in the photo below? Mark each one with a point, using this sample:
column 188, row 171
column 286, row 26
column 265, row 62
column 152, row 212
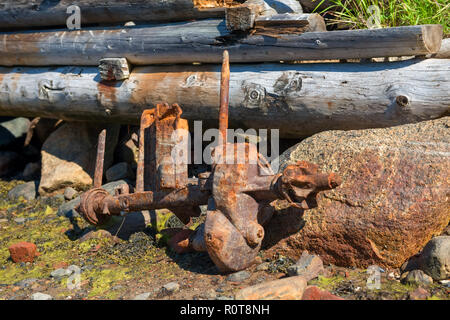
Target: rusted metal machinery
column 238, row 190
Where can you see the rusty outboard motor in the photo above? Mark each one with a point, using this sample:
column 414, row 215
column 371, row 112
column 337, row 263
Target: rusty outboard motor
column 238, row 190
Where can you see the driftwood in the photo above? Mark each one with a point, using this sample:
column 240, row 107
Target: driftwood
column 41, row 13
column 205, row 40
column 298, row 99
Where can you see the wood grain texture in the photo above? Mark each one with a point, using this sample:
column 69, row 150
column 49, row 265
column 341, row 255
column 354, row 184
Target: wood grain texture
column 300, row 99
column 205, row 40
column 42, row 13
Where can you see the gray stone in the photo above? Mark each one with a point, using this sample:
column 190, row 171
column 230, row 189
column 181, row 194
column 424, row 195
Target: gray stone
column 26, row 282
column 25, row 190
column 70, row 193
column 224, row 298
column 41, row 296
column 434, row 259
column 20, row 220
column 119, row 171
column 68, row 155
column 171, row 287
column 417, row 277
column 239, row 276
column 61, row 273
column 13, row 129
column 309, row 266
column 143, row 296
column 68, row 209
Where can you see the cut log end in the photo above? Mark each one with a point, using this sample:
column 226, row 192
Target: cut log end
column 432, row 37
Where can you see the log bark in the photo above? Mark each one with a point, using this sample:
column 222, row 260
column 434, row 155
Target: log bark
column 205, row 40
column 42, row 13
column 299, row 99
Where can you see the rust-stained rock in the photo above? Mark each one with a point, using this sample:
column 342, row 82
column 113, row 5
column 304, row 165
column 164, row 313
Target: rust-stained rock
column 23, row 252
column 315, row 293
column 68, row 155
column 393, row 199
column 291, row 288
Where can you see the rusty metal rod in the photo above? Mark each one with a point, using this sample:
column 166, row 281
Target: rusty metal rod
column 190, row 196
column 98, row 175
column 224, row 96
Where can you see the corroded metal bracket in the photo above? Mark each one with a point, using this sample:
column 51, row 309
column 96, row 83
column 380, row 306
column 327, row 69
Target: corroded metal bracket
column 238, row 192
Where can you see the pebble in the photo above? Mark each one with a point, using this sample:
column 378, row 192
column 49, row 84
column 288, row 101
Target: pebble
column 224, row 298
column 70, row 193
column 171, row 287
column 239, row 276
column 263, row 266
column 20, row 220
column 26, row 282
column 60, row 273
column 41, row 296
column 143, row 296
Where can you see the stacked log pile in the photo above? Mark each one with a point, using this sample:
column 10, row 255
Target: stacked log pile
column 53, row 72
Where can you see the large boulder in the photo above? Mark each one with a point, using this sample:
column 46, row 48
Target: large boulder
column 69, row 153
column 393, row 199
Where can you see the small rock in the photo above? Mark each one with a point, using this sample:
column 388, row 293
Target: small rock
column 445, row 283
column 68, row 209
column 170, row 288
column 26, row 282
column 66, row 155
column 41, row 296
column 69, row 193
column 31, row 171
column 263, row 266
column 224, row 298
column 20, row 220
column 308, row 266
column 23, row 252
column 419, row 294
column 60, row 273
column 143, row 296
column 25, row 190
column 315, row 293
column 97, row 234
column 434, row 259
column 417, row 277
column 239, row 276
column 291, row 288
column 119, row 171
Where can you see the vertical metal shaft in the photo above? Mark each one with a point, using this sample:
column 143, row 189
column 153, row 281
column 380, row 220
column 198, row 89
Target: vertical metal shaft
column 98, row 175
column 224, row 96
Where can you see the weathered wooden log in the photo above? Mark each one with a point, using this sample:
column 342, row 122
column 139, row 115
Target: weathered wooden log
column 205, row 40
column 298, row 99
column 444, row 52
column 42, row 13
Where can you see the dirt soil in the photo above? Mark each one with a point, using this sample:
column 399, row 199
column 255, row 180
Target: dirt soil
column 114, row 268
